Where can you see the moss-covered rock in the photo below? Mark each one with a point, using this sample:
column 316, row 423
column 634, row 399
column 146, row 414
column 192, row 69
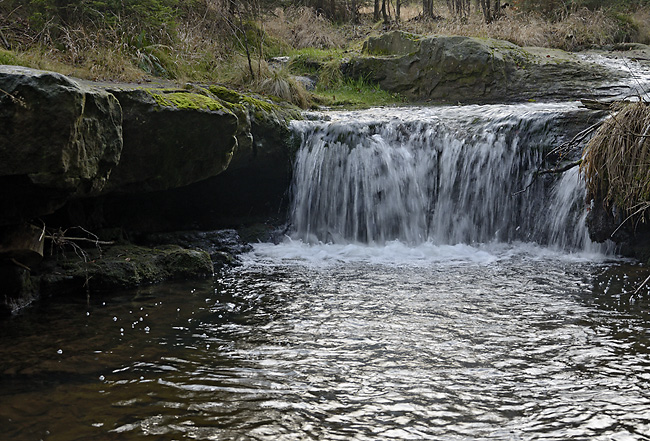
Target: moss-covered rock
column 476, row 70
column 172, row 138
column 121, row 266
column 59, row 139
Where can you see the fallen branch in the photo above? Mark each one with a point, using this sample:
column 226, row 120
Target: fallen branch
column 595, row 104
column 558, row 170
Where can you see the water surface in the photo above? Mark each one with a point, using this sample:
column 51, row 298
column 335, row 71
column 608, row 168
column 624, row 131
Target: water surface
column 343, row 342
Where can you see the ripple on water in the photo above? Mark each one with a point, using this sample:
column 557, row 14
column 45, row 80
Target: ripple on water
column 517, row 345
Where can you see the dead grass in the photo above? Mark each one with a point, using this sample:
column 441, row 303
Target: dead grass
column 266, row 80
column 580, row 29
column 616, row 163
column 206, row 46
column 301, row 28
column 641, row 19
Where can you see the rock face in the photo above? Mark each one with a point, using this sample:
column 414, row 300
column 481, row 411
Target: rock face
column 171, row 139
column 130, row 158
column 121, row 267
column 59, row 140
column 477, row 70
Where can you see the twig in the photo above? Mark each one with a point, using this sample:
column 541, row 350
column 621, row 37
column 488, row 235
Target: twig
column 642, row 285
column 575, row 141
column 23, row 266
column 15, row 99
column 640, row 210
column 79, row 239
column 560, row 169
column 549, row 171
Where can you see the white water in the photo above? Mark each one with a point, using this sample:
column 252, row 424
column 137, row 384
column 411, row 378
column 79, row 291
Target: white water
column 427, row 178
column 635, row 75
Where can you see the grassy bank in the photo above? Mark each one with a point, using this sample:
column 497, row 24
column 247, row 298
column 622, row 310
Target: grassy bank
column 203, row 41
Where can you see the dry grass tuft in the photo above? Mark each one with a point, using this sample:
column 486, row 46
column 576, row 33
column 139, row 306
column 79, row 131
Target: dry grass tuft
column 579, row 29
column 267, row 80
column 616, row 163
column 280, row 84
column 641, row 19
column 302, row 28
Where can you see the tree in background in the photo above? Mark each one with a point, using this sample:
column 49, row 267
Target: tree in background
column 459, row 8
column 491, row 9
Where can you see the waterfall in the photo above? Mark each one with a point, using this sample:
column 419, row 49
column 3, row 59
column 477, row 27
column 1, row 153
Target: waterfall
column 445, row 175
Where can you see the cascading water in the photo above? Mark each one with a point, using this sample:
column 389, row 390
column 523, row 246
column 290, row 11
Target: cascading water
column 442, row 175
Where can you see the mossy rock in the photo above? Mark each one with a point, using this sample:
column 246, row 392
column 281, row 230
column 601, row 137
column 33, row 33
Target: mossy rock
column 122, row 266
column 187, row 101
column 172, row 138
column 453, row 69
column 394, row 43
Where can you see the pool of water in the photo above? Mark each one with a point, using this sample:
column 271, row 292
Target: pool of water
column 340, row 342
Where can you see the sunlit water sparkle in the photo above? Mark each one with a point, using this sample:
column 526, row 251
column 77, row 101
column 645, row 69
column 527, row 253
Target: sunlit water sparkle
column 337, row 342
column 424, row 333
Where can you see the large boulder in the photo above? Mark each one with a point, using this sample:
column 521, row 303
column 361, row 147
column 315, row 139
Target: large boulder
column 59, row 139
column 128, row 159
column 172, row 138
column 478, row 70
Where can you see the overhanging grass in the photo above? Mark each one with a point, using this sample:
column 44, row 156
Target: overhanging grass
column 616, row 162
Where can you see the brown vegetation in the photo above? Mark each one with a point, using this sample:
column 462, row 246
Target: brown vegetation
column 616, row 162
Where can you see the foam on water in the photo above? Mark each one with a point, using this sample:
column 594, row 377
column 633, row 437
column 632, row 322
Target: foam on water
column 395, row 253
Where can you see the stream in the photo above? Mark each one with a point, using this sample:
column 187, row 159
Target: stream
column 417, row 294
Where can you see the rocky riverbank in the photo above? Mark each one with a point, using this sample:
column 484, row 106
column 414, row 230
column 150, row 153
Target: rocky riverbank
column 89, row 171
column 453, row 69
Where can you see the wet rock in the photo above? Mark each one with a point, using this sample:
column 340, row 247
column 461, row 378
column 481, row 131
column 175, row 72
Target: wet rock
column 223, row 246
column 119, row 267
column 172, row 138
column 631, row 237
column 19, row 288
column 59, row 140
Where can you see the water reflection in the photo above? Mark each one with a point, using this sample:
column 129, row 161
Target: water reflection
column 506, row 348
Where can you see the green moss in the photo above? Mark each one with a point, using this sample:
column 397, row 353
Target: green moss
column 8, row 57
column 225, row 94
column 186, row 100
column 257, row 107
column 356, row 94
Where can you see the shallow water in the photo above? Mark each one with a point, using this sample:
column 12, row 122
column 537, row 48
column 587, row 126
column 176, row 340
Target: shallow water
column 343, row 342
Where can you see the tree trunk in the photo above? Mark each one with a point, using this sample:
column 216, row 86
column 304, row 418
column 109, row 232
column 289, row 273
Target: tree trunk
column 375, row 14
column 491, row 11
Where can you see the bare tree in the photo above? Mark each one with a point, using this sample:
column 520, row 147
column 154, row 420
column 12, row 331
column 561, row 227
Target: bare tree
column 491, row 9
column 427, row 8
column 459, row 8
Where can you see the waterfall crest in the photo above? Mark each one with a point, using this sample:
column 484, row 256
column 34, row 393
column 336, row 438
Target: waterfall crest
column 445, row 175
